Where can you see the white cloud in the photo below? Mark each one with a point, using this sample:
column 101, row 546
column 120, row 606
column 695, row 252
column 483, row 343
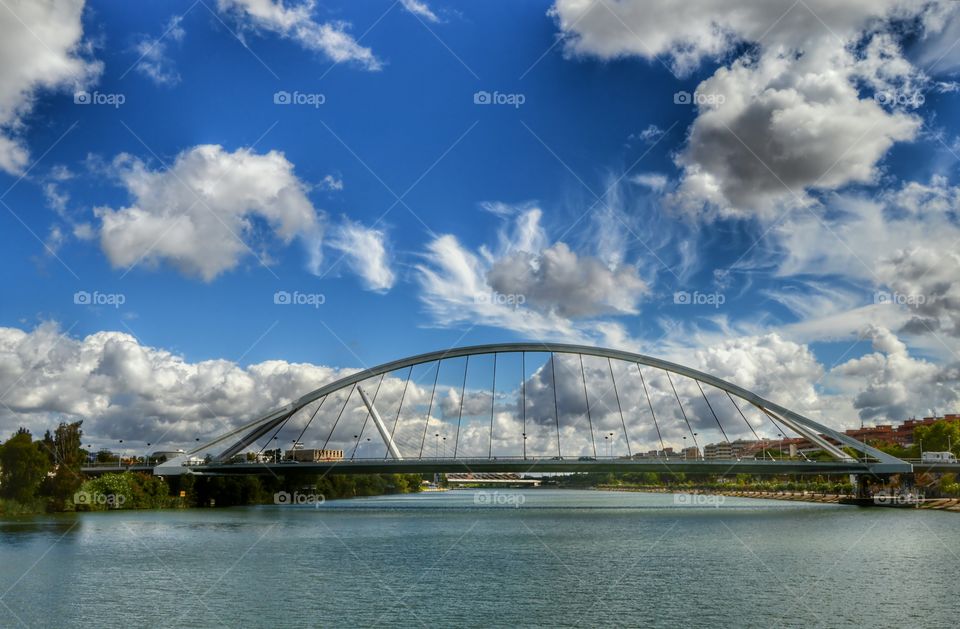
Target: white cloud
column 527, row 284
column 41, row 48
column 891, row 385
column 365, row 251
column 199, row 214
column 154, row 61
column 294, row 20
column 778, row 121
column 419, row 8
column 125, row 390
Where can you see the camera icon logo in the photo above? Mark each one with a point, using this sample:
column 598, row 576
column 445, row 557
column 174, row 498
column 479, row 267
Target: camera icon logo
column 281, row 498
column 282, row 98
column 682, row 98
column 681, row 297
column 82, row 498
column 882, row 297
column 281, row 297
column 482, row 98
column 81, row 98
column 82, row 298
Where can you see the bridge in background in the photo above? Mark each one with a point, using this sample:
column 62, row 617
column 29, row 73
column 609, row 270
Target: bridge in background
column 526, row 408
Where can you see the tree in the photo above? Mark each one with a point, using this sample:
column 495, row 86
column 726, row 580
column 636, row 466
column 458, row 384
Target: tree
column 24, row 466
column 938, row 437
column 68, row 460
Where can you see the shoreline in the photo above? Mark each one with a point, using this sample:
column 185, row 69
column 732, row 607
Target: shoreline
column 938, row 504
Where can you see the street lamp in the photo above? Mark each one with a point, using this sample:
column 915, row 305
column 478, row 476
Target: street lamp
column 684, row 447
column 610, row 453
column 444, row 439
column 524, row 446
column 780, row 443
column 606, row 443
column 436, row 445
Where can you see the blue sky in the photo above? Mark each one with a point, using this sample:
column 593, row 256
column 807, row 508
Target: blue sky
column 807, row 182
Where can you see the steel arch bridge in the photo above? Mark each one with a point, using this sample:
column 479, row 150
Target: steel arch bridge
column 531, row 407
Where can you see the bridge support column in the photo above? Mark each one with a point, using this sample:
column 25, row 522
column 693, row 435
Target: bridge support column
column 381, row 427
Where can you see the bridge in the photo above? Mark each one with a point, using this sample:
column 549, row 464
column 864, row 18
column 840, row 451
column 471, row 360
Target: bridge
column 528, row 408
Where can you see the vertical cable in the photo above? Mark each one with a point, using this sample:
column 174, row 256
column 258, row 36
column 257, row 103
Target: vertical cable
column 319, row 406
column 743, row 416
column 366, row 418
column 683, row 412
column 711, row 411
column 622, row 421
column 399, row 409
column 523, row 398
column 650, row 404
column 583, row 376
column 426, row 422
column 463, row 394
column 279, row 428
column 556, row 407
column 337, row 420
column 493, row 394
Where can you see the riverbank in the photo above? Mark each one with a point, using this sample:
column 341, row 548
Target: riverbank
column 941, row 504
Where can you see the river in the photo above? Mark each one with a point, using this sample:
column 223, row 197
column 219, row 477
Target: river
column 470, row 558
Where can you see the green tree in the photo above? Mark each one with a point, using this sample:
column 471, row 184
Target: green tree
column 941, row 436
column 24, row 466
column 68, row 459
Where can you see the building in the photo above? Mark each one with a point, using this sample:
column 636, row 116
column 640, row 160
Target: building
column 311, row 455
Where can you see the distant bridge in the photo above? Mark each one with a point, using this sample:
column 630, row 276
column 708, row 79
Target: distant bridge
column 522, row 408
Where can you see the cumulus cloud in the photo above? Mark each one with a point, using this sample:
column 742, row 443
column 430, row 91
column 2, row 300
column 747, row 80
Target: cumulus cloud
column 294, row 20
column 785, row 117
column 365, row 251
column 526, row 283
column 125, row 390
column 41, row 48
column 200, row 213
column 899, row 246
column 154, row 60
column 891, row 385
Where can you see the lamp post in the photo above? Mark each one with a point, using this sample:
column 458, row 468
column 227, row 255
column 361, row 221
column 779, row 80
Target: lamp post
column 780, row 444
column 524, row 446
column 436, row 445
column 610, row 453
column 444, row 439
column 606, row 443
column 684, row 447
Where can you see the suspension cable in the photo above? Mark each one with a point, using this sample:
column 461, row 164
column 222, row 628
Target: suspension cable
column 583, row 377
column 493, row 398
column 426, row 421
column 556, row 407
column 523, row 398
column 617, row 394
column 650, row 404
column 367, row 417
column 319, row 406
column 463, row 394
column 683, row 412
column 711, row 411
column 396, row 420
column 736, row 406
column 337, row 420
